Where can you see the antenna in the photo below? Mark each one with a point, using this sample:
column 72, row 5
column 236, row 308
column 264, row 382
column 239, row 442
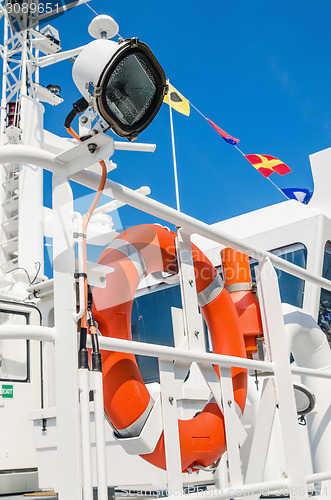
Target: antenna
column 103, row 27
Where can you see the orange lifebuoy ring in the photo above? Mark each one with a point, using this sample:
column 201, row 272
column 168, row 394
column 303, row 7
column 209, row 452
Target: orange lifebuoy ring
column 134, row 254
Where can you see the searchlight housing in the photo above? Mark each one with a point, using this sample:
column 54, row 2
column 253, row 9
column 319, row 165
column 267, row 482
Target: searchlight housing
column 123, row 82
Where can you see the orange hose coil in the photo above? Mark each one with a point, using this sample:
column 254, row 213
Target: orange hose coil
column 236, row 271
column 135, row 253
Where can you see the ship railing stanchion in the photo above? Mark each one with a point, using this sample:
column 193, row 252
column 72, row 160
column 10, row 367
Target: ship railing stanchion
column 273, row 325
column 262, row 434
column 67, row 416
column 97, row 388
column 84, row 401
column 170, row 426
column 193, row 324
column 234, row 431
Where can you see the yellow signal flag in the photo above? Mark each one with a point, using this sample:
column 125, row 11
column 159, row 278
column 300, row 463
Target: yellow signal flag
column 178, row 101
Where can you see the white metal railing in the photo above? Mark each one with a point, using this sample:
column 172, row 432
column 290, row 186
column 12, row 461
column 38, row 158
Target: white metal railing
column 28, row 332
column 68, row 422
column 49, row 161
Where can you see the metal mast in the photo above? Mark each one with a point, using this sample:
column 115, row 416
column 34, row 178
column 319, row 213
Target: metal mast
column 21, row 122
column 21, row 198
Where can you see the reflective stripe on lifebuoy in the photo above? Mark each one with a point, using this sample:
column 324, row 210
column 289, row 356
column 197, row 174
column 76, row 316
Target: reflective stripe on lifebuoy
column 238, row 281
column 135, row 253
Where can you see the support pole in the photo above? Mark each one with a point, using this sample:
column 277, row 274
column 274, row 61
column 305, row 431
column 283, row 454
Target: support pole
column 272, row 316
column 67, row 417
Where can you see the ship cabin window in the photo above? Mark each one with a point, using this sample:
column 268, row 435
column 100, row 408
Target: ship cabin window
column 151, row 322
column 151, row 312
column 291, row 288
column 14, row 354
column 324, row 318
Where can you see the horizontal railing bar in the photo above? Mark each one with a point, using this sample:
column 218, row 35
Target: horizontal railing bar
column 263, row 488
column 311, row 372
column 44, row 159
column 192, row 225
column 171, row 353
column 235, row 491
column 166, row 352
column 27, row 332
column 318, row 476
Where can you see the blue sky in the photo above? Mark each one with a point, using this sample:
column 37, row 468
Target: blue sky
column 260, row 69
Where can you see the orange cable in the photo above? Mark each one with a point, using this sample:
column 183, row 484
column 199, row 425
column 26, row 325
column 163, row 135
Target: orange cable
column 86, row 222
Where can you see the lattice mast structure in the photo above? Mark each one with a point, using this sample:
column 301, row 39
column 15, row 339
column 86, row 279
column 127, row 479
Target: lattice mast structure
column 23, row 53
column 21, row 198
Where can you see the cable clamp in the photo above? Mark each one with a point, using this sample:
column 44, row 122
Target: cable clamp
column 80, row 275
column 79, row 235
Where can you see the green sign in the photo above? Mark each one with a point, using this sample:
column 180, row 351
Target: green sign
column 7, row 391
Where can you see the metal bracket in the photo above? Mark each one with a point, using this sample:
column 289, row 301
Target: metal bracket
column 149, row 436
column 77, row 235
column 93, row 90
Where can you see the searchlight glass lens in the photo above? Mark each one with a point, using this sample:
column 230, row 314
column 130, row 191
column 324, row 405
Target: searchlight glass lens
column 130, row 90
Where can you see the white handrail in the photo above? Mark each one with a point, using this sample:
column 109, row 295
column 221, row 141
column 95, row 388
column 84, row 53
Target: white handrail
column 171, row 353
column 192, row 225
column 28, row 332
column 43, row 159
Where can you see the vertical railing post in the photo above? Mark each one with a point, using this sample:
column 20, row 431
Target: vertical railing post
column 67, row 416
column 193, row 324
column 170, row 424
column 274, row 329
column 233, row 428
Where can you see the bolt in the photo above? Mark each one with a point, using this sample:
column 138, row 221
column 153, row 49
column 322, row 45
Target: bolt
column 171, row 399
column 92, row 147
column 102, row 279
column 190, row 282
column 44, row 425
column 229, row 402
column 84, row 119
column 196, row 333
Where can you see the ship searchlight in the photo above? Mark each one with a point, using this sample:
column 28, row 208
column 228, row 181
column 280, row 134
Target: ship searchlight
column 123, row 82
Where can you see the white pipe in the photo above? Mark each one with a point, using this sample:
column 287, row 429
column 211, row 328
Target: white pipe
column 41, row 287
column 134, row 146
column 262, row 488
column 170, row 353
column 29, row 155
column 84, row 399
column 42, row 62
column 43, row 159
column 115, row 204
column 310, row 348
column 311, row 372
column 30, row 332
column 100, row 435
column 191, row 225
column 81, row 287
